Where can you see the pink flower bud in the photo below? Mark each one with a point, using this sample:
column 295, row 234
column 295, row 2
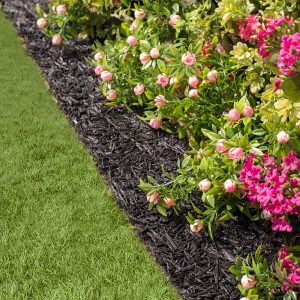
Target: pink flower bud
column 248, row 111
column 298, row 123
column 132, row 40
column 139, row 14
column 189, row 59
column 98, row 70
column 169, row 202
column 193, row 93
column 56, row 40
column 139, row 89
column 174, row 81
column 106, row 76
column 220, row 147
column 144, row 57
column 111, row 95
column 174, row 19
column 163, row 80
column 133, row 26
column 61, row 9
column 153, row 198
column 155, row 123
column 41, row 23
column 235, row 153
column 248, row 281
column 204, row 185
column 196, row 226
column 277, row 83
column 99, row 56
column 160, row 101
column 194, row 81
column 230, row 185
column 220, row 49
column 167, row 60
column 265, row 214
column 283, row 137
column 233, row 115
column 212, row 75
column 154, row 53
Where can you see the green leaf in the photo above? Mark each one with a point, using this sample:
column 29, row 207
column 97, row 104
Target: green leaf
column 162, row 210
column 211, row 135
column 203, row 164
column 259, row 132
column 235, row 270
column 291, row 88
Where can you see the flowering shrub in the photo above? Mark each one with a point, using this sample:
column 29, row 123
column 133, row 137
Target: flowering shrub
column 258, row 280
column 180, row 69
column 81, row 19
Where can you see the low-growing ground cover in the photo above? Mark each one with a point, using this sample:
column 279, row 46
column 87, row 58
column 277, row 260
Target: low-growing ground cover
column 62, row 235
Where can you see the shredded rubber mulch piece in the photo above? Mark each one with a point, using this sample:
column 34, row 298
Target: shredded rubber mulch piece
column 125, row 150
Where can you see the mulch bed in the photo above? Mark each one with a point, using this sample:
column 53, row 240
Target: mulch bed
column 125, row 150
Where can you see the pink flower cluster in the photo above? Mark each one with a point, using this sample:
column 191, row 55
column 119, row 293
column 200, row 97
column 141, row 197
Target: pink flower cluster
column 289, row 53
column 292, row 270
column 265, row 36
column 249, row 27
column 275, row 187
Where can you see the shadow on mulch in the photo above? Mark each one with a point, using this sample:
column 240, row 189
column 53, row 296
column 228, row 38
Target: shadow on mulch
column 125, row 150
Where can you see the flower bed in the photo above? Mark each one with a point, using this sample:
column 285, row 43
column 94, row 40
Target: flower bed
column 248, row 128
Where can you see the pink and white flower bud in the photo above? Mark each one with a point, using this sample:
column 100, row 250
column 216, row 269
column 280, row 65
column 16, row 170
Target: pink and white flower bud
column 174, row 19
column 160, row 101
column 139, row 14
column 204, row 185
column 154, row 53
column 111, row 95
column 155, row 123
column 189, row 59
column 56, row 40
column 41, row 23
column 61, row 9
column 106, row 76
column 197, row 226
column 193, row 93
column 212, row 75
column 144, row 57
column 175, row 82
column 230, row 185
column 139, row 89
column 220, row 49
column 99, row 56
column 153, row 198
column 169, row 202
column 220, row 146
column 194, row 81
column 283, row 137
column 233, row 115
column 248, row 111
column 163, row 80
column 248, row 281
column 298, row 123
column 236, row 153
column 265, row 214
column 98, row 70
column 132, row 40
column 168, row 60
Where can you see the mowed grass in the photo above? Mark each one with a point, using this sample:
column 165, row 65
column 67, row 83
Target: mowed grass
column 61, row 234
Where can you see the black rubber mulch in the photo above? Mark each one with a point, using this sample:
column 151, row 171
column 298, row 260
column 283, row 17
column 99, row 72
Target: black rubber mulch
column 125, row 150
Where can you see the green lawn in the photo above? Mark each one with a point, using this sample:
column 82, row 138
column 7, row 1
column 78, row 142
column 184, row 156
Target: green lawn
column 62, row 235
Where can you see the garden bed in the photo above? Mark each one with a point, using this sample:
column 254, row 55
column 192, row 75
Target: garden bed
column 125, row 150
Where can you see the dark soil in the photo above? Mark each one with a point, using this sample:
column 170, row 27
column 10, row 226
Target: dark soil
column 125, row 150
